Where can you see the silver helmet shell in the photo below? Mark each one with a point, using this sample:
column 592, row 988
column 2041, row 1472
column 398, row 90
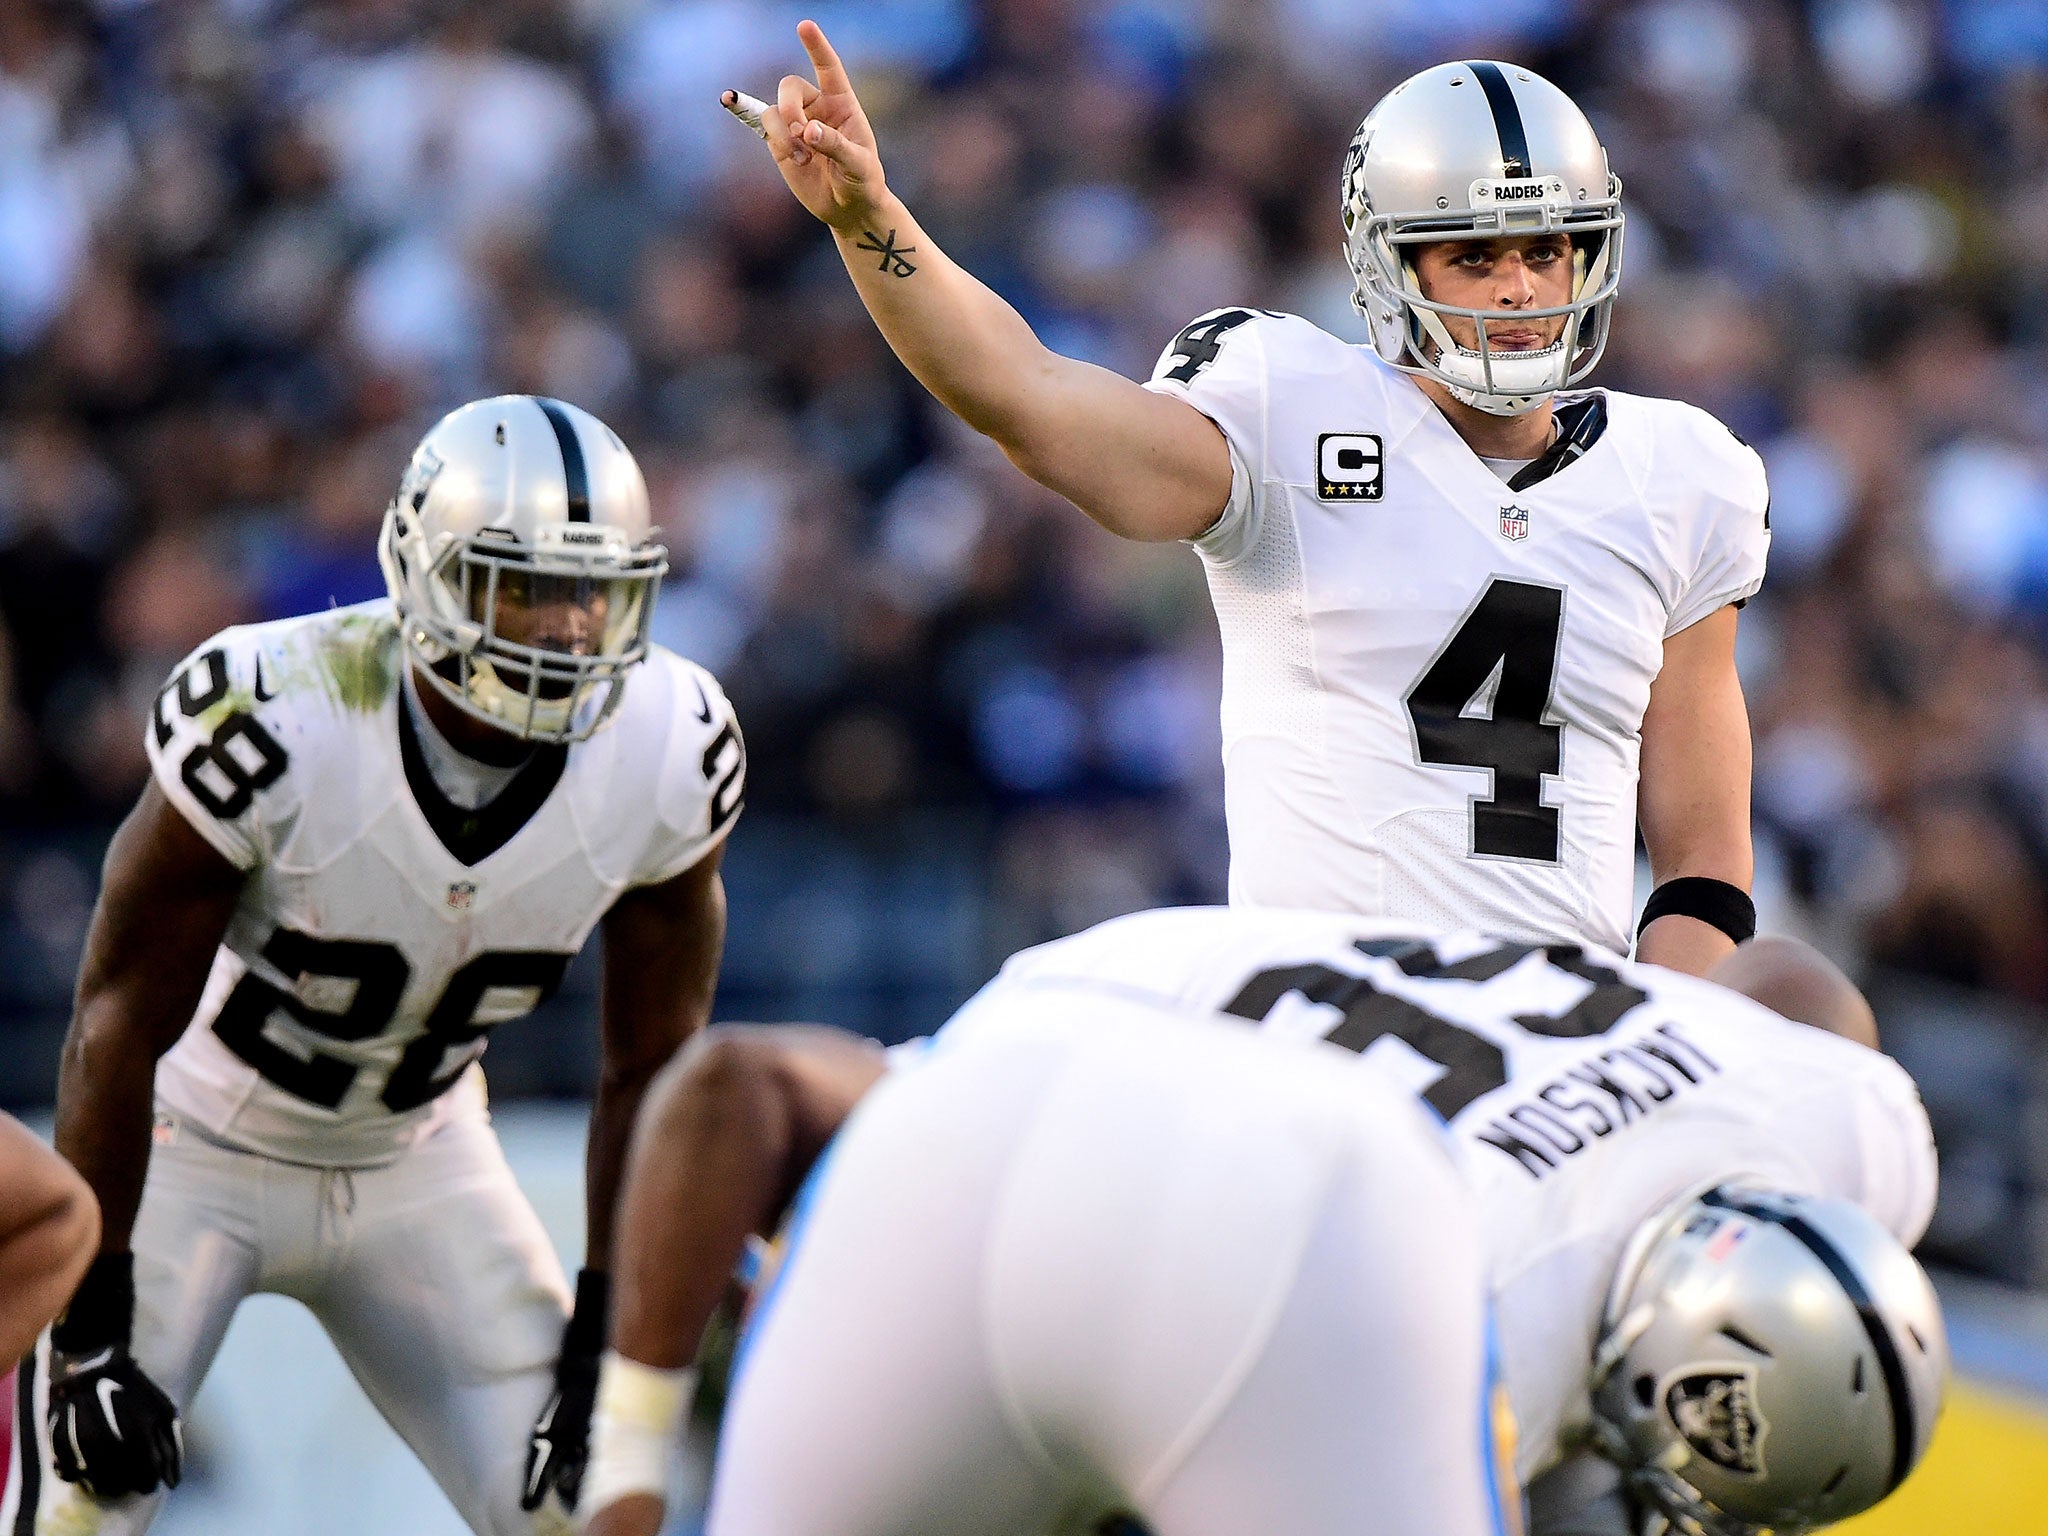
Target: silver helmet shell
column 1480, row 150
column 513, row 504
column 1770, row 1362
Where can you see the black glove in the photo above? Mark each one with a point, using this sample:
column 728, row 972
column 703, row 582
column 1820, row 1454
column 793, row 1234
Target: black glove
column 112, row 1429
column 561, row 1440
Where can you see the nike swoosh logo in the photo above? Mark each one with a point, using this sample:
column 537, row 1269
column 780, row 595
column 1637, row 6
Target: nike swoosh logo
column 106, row 1390
column 263, row 695
column 79, row 1368
column 703, row 703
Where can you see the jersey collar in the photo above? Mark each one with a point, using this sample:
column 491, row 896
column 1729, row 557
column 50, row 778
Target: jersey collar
column 473, row 836
column 1579, row 425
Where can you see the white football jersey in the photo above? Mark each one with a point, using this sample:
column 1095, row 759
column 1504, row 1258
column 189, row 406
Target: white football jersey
column 1434, row 685
column 383, row 930
column 1588, row 1093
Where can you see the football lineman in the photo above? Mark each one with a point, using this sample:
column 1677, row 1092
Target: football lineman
column 1477, row 628
column 372, row 835
column 1082, row 1259
column 1596, row 1098
column 1695, row 1211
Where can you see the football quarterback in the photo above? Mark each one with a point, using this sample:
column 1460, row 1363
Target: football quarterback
column 1477, row 628
column 371, row 835
column 1693, row 1211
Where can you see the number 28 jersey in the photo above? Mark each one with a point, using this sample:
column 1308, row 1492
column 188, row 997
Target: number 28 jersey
column 1433, row 684
column 382, row 930
column 1586, row 1092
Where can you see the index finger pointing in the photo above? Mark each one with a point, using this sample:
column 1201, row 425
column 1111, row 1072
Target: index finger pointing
column 824, row 59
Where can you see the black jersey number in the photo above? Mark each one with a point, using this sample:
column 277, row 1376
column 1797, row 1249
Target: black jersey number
column 725, row 768
column 1197, row 346
column 344, row 989
column 1473, row 1065
column 349, row 989
column 1511, row 633
column 425, row 1071
column 223, row 774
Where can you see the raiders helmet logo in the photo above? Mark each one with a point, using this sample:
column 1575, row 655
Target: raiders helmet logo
column 1715, row 1411
column 420, row 474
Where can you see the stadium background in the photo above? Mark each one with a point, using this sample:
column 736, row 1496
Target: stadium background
column 250, row 248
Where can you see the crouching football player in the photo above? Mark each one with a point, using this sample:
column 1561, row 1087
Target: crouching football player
column 1084, row 1258
column 372, row 835
column 1695, row 1209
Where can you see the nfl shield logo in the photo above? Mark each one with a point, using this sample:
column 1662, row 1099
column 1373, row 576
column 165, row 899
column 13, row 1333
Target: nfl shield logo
column 461, row 895
column 1514, row 523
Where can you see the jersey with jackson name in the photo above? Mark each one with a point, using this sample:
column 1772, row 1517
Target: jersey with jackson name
column 1588, row 1092
column 1433, row 684
column 383, row 931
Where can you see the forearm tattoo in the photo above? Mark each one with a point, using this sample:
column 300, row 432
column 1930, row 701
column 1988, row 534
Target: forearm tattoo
column 892, row 254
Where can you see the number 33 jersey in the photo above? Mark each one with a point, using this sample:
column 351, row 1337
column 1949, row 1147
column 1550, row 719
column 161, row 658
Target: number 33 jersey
column 1434, row 684
column 1586, row 1092
column 383, row 930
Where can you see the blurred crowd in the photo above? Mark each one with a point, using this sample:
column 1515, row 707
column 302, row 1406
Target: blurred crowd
column 250, row 248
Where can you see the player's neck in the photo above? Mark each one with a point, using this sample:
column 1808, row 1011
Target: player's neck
column 464, row 732
column 1490, row 436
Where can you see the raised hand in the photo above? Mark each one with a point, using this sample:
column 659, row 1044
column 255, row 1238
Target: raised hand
column 821, row 140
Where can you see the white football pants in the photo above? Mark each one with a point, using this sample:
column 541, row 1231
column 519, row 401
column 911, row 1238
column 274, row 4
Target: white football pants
column 431, row 1274
column 1084, row 1258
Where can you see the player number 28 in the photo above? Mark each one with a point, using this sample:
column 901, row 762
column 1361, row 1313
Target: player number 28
column 225, row 773
column 372, row 978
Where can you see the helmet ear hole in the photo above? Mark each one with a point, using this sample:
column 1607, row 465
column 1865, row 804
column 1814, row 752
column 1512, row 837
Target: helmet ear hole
column 1646, row 1390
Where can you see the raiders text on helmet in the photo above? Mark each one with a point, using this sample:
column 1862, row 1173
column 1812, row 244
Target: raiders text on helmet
column 519, row 553
column 1480, row 151
column 1771, row 1362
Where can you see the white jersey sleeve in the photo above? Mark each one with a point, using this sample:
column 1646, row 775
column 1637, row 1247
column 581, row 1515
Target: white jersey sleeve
column 703, row 771
column 1732, row 538
column 219, row 743
column 1218, row 365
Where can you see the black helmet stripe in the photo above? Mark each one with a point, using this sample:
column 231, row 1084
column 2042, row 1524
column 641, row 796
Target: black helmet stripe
column 1507, row 119
column 1889, row 1365
column 574, row 475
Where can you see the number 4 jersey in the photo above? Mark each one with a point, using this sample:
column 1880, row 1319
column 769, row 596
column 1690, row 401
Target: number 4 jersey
column 1433, row 679
column 1586, row 1092
column 383, row 930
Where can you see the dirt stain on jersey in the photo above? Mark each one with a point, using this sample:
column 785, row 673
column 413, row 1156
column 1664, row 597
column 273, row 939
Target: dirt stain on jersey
column 359, row 656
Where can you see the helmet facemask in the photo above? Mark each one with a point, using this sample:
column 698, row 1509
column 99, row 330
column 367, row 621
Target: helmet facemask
column 1408, row 327
column 536, row 641
column 1769, row 1363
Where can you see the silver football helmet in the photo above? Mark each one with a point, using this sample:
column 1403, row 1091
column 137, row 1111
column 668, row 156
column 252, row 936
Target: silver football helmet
column 520, row 556
column 1480, row 151
column 1770, row 1362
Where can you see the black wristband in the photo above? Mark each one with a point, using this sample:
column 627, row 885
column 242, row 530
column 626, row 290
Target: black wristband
column 102, row 1310
column 1714, row 902
column 585, row 1333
